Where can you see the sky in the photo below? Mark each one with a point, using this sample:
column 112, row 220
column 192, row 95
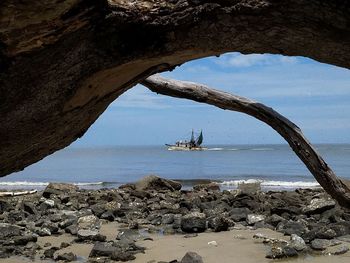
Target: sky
column 313, row 95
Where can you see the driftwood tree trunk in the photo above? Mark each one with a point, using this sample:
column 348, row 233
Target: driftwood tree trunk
column 287, row 129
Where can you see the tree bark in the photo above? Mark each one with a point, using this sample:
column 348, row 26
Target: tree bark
column 287, row 129
column 63, row 62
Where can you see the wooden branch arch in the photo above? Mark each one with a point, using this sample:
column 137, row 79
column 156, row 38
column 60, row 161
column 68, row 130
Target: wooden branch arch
column 287, row 129
column 63, row 62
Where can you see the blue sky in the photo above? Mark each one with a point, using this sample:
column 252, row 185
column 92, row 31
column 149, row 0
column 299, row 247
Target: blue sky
column 313, row 95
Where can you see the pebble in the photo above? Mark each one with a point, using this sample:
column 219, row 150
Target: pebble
column 213, row 243
column 321, row 244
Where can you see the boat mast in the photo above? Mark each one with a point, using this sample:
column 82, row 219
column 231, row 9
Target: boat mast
column 192, row 141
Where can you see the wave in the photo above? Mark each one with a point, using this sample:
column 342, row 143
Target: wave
column 92, row 183
column 240, row 149
column 262, row 149
column 216, row 149
column 24, row 183
column 278, row 184
column 223, row 149
column 28, row 183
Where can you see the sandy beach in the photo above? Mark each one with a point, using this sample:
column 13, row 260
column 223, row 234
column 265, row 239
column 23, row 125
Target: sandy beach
column 232, row 246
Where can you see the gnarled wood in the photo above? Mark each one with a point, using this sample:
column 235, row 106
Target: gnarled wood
column 287, row 129
column 63, row 62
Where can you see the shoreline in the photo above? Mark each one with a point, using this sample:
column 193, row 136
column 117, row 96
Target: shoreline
column 187, row 184
column 149, row 220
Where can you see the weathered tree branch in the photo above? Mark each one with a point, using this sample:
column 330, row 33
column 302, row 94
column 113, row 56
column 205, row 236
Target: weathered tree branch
column 287, row 129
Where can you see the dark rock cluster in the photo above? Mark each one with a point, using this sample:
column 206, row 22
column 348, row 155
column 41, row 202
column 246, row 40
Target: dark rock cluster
column 314, row 222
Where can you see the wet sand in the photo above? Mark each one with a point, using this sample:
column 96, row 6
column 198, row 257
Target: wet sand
column 232, row 246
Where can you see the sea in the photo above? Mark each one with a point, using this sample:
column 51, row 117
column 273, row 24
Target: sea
column 276, row 167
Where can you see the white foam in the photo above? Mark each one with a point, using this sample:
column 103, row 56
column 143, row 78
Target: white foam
column 277, row 184
column 216, row 149
column 26, row 183
column 92, row 183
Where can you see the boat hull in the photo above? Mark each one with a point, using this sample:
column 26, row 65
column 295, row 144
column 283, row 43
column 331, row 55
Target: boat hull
column 179, row 148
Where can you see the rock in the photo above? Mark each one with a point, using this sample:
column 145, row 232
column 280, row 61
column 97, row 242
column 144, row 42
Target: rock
column 133, row 225
column 239, row 213
column 168, row 219
column 15, row 216
column 153, row 182
column 43, row 232
column 193, row 222
column 108, row 215
column 336, row 250
column 119, row 255
column 345, row 238
column 290, row 251
column 297, row 242
column 72, row 229
column 53, row 227
column 291, row 227
column 64, row 245
column 341, row 228
column 102, row 249
column 128, row 235
column 9, row 230
column 49, row 203
column 4, row 206
column 218, row 224
column 139, row 193
column 88, row 222
column 270, row 240
column 325, row 233
column 318, row 206
column 191, row 257
column 274, row 220
column 322, row 244
column 98, row 209
column 262, row 224
column 67, row 222
column 254, row 218
column 281, row 252
column 58, row 189
column 207, row 187
column 67, row 257
column 87, row 234
column 55, row 218
column 29, row 208
column 49, row 253
column 23, row 240
column 113, row 205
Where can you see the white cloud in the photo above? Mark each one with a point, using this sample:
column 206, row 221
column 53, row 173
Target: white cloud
column 195, row 69
column 239, row 60
column 140, row 97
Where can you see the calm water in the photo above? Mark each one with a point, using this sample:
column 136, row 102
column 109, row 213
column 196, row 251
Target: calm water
column 275, row 165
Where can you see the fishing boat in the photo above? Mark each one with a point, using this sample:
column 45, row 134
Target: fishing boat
column 191, row 145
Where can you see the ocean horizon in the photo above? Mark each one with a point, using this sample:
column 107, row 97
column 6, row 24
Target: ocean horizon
column 275, row 166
